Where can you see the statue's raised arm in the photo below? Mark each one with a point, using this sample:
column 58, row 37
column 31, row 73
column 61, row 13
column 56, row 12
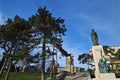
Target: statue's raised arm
column 94, row 38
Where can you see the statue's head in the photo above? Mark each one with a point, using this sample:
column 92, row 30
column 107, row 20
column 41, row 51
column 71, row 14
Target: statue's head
column 101, row 60
column 93, row 30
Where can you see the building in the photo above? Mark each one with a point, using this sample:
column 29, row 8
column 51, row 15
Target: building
column 70, row 66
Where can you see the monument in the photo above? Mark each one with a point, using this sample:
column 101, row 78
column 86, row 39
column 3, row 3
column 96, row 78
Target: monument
column 94, row 38
column 102, row 69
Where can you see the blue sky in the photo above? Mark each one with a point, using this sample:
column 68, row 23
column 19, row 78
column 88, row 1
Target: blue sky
column 80, row 17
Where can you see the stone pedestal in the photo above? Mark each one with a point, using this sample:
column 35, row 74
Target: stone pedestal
column 97, row 56
column 97, row 50
column 107, row 75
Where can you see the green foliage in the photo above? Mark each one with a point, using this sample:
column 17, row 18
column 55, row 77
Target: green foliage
column 85, row 58
column 48, row 31
column 18, row 37
column 14, row 37
column 14, row 40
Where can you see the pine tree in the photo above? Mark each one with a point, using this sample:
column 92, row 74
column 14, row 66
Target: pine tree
column 14, row 39
column 48, row 31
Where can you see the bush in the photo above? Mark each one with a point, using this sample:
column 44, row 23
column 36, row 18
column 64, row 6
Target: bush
column 117, row 75
column 92, row 75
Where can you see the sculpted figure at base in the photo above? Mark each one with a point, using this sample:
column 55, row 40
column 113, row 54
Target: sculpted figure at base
column 94, row 38
column 103, row 66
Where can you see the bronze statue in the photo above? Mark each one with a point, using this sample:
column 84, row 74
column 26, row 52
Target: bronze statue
column 103, row 66
column 94, row 38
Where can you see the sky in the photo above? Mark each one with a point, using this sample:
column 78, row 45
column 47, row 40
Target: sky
column 80, row 17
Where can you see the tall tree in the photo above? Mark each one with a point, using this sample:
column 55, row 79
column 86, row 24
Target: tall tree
column 49, row 31
column 14, row 39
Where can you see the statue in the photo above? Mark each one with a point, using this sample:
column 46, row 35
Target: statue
column 103, row 66
column 94, row 38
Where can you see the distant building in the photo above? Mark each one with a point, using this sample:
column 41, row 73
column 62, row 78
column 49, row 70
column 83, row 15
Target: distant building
column 70, row 66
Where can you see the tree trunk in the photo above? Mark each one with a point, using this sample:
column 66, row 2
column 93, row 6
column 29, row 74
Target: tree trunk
column 1, row 62
column 43, row 61
column 8, row 72
column 43, row 68
column 51, row 68
column 3, row 66
column 23, row 68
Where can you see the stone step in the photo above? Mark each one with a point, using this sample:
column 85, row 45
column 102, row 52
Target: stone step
column 78, row 76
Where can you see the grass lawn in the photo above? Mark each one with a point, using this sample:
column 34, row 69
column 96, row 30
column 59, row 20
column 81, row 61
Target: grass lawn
column 24, row 76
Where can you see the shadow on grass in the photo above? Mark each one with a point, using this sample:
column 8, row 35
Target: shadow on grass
column 23, row 76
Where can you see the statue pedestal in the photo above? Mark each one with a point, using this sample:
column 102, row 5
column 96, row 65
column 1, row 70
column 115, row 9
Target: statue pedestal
column 96, row 50
column 107, row 75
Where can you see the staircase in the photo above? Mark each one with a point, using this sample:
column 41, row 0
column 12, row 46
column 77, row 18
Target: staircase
column 78, row 76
